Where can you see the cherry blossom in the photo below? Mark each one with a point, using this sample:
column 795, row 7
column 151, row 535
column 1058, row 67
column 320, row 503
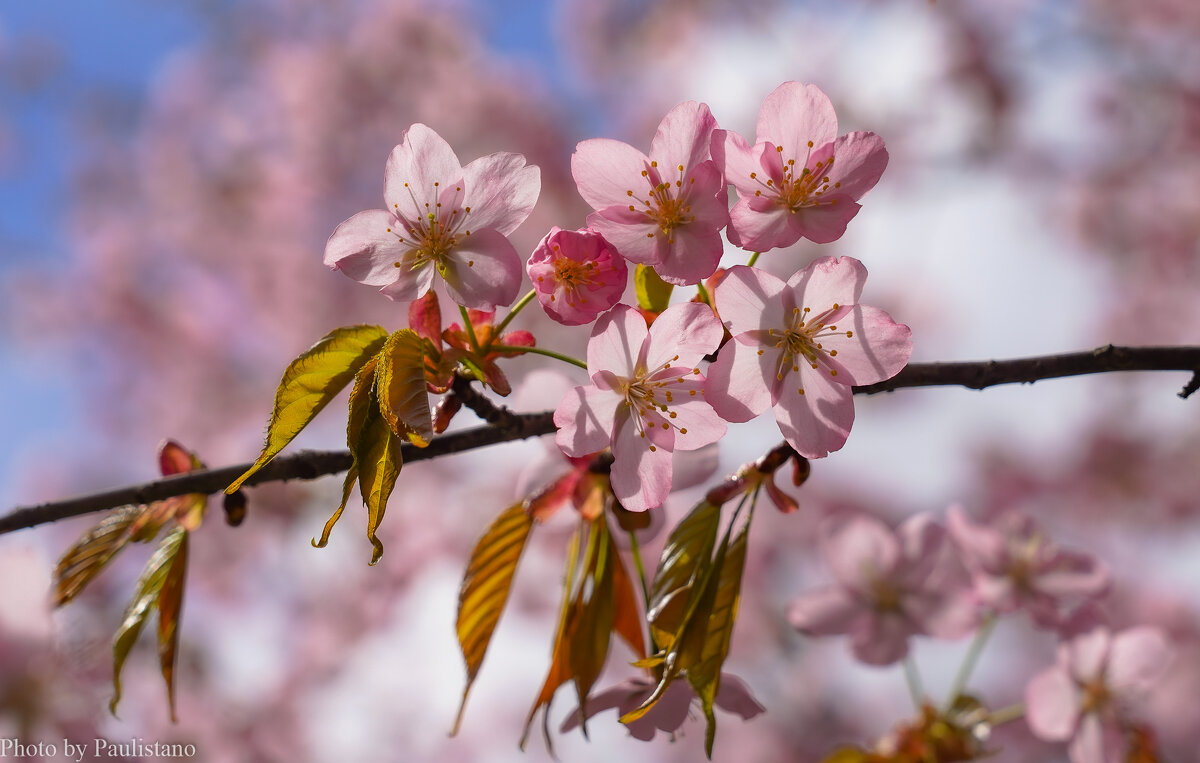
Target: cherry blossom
column 890, row 585
column 1015, row 566
column 443, row 219
column 1091, row 693
column 577, row 275
column 799, row 347
column 646, row 399
column 665, row 210
column 799, row 179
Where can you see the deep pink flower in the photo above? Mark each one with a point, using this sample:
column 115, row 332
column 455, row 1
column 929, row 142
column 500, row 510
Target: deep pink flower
column 646, row 399
column 665, row 210
column 1015, row 566
column 442, row 219
column 890, row 585
column 669, row 713
column 577, row 275
column 799, row 180
column 799, row 347
column 1091, row 693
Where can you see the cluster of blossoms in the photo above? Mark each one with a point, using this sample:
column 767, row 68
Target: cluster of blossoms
column 926, row 579
column 797, row 347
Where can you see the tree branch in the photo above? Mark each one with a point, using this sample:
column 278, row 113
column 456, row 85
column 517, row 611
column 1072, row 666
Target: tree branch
column 506, row 426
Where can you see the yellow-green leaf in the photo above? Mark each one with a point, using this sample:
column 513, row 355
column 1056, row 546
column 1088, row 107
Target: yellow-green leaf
column 145, row 596
column 311, row 381
column 378, row 460
column 685, row 556
column 400, row 385
column 170, row 606
column 653, row 293
column 485, row 588
column 362, row 400
column 594, row 622
column 92, row 552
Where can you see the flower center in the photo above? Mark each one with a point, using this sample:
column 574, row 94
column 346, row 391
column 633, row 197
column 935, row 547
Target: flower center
column 434, row 234
column 1096, row 696
column 797, row 190
column 573, row 274
column 651, row 394
column 800, row 341
column 666, row 204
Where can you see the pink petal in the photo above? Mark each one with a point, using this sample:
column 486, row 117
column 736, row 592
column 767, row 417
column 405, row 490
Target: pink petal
column 982, row 547
column 1097, row 742
column 484, row 271
column 702, row 423
column 945, row 613
column 1052, row 704
column 681, row 336
column 828, row 281
column 501, row 192
column 606, row 170
column 739, row 160
column 861, row 551
column 748, row 299
column 828, row 612
column 878, row 349
column 616, row 342
column 692, row 255
column 762, row 224
column 737, row 386
column 859, row 162
column 683, row 137
column 422, row 159
column 825, row 222
column 641, row 478
column 1072, row 574
column 585, row 419
column 881, row 639
column 632, row 234
column 1087, row 654
column 695, row 466
column 795, row 114
column 922, row 541
column 671, row 710
column 734, row 696
column 1138, row 659
column 366, row 249
column 818, row 421
column 410, row 282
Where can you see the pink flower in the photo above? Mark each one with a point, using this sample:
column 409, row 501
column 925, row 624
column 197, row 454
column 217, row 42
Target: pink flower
column 1015, row 566
column 577, row 275
column 665, row 210
column 799, row 347
column 442, row 219
column 1090, row 694
column 890, row 585
column 799, row 180
column 646, row 399
column 669, row 713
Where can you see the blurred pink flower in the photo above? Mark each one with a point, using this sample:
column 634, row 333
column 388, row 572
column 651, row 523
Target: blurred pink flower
column 787, row 183
column 665, row 210
column 646, row 398
column 670, row 712
column 444, row 219
column 1015, row 566
column 1088, row 696
column 890, row 585
column 784, row 329
column 577, row 275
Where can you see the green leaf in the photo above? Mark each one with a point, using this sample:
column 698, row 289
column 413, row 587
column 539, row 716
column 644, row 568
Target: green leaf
column 146, row 594
column 362, row 400
column 594, row 623
column 378, row 459
column 92, row 552
column 311, row 381
column 400, row 385
column 686, row 555
column 170, row 606
column 485, row 588
column 653, row 293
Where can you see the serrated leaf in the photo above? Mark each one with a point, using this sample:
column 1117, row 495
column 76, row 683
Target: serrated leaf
column 170, row 606
column 485, row 588
column 687, row 553
column 400, row 385
column 653, row 293
column 92, row 552
column 362, row 400
column 378, row 460
column 310, row 382
column 145, row 596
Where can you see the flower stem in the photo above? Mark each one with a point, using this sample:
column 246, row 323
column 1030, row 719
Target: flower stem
column 703, row 292
column 466, row 316
column 968, row 665
column 539, row 351
column 753, row 259
column 525, row 300
column 1007, row 714
column 912, row 677
column 637, row 562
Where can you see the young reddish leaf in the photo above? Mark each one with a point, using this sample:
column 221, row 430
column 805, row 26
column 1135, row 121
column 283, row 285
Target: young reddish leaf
column 310, row 382
column 546, row 502
column 425, row 318
column 378, row 460
column 400, row 385
column 84, row 560
column 485, row 588
column 653, row 293
column 173, row 458
column 444, row 411
column 145, row 596
column 170, row 606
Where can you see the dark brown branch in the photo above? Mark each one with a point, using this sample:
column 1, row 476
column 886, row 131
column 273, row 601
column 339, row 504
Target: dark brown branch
column 506, row 425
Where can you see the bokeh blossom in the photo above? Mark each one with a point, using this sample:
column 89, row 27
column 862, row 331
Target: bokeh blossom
column 442, row 219
column 799, row 347
column 577, row 275
column 665, row 210
column 890, row 585
column 646, row 399
column 799, row 179
column 1091, row 694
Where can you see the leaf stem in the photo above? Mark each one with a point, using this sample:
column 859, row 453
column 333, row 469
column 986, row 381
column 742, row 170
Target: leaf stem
column 753, row 259
column 916, row 690
column 466, row 316
column 539, row 351
column 972, row 657
column 1006, row 714
column 521, row 303
column 703, row 292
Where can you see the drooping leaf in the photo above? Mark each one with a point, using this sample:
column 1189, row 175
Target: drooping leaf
column 593, row 628
column 485, row 588
column 686, row 555
column 311, row 381
column 145, row 597
column 362, row 400
column 627, row 614
column 653, row 293
column 400, row 385
column 378, row 460
column 92, row 552
column 170, row 606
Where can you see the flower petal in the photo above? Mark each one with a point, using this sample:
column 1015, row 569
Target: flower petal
column 748, row 299
column 825, row 222
column 697, row 424
column 641, row 478
column 365, row 248
column 422, row 159
column 795, row 114
column 484, row 271
column 616, row 342
column 859, row 162
column 741, row 162
column 631, row 234
column 683, row 137
column 762, row 224
column 738, row 383
column 501, row 191
column 681, row 336
column 606, row 170
column 734, row 696
column 860, row 551
column 819, row 420
column 410, row 283
column 1138, row 658
column 1073, row 574
column 828, row 281
column 881, row 638
column 867, row 346
column 828, row 612
column 585, row 418
column 1052, row 704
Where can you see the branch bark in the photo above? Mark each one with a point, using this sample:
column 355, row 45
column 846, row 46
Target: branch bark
column 505, row 426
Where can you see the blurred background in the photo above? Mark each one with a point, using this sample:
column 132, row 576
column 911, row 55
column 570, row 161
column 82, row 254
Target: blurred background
column 169, row 174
